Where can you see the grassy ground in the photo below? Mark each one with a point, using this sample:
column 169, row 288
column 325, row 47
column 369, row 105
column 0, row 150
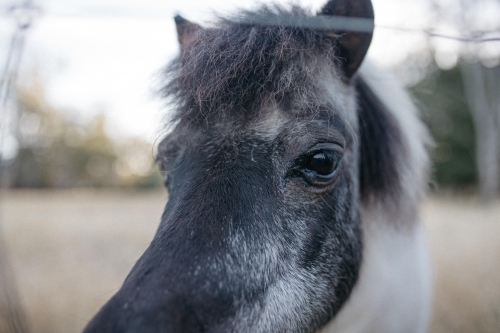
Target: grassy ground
column 465, row 240
column 71, row 251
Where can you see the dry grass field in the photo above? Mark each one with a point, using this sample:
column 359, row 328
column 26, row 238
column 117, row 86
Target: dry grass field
column 71, row 251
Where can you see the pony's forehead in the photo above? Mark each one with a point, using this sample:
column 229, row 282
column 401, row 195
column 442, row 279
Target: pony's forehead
column 275, row 125
column 330, row 111
column 325, row 99
column 325, row 117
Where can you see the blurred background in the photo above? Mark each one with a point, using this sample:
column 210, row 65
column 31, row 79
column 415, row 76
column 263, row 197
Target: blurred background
column 82, row 196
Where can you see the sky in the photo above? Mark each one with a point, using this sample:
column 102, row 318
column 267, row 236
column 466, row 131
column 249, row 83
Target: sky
column 105, row 56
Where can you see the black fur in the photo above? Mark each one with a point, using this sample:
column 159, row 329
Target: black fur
column 380, row 147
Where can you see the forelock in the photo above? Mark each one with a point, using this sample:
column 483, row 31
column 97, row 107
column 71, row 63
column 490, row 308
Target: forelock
column 234, row 71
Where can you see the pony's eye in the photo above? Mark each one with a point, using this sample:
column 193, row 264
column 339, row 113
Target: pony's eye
column 318, row 166
column 323, row 163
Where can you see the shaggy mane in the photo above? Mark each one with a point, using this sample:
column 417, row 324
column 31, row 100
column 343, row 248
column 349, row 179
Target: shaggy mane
column 236, row 69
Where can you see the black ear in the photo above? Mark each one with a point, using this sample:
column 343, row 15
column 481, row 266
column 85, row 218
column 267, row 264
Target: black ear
column 186, row 31
column 353, row 45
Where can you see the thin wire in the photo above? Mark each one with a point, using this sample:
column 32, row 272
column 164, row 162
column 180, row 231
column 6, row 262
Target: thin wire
column 318, row 22
column 341, row 23
column 472, row 39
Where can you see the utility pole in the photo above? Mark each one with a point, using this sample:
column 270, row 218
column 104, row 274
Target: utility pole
column 23, row 16
column 481, row 92
column 12, row 315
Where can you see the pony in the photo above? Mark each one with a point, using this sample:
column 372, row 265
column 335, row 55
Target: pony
column 295, row 170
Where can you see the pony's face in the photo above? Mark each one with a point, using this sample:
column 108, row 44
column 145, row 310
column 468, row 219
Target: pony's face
column 262, row 231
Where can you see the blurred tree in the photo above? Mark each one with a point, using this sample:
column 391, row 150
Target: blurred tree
column 55, row 151
column 440, row 96
column 480, row 76
column 482, row 92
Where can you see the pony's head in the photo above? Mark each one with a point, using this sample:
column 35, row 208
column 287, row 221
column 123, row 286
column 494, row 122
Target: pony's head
column 267, row 166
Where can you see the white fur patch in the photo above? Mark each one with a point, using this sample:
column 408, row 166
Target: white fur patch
column 394, row 290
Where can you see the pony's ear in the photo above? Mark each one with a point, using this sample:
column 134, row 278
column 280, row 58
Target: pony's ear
column 186, row 31
column 353, row 42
